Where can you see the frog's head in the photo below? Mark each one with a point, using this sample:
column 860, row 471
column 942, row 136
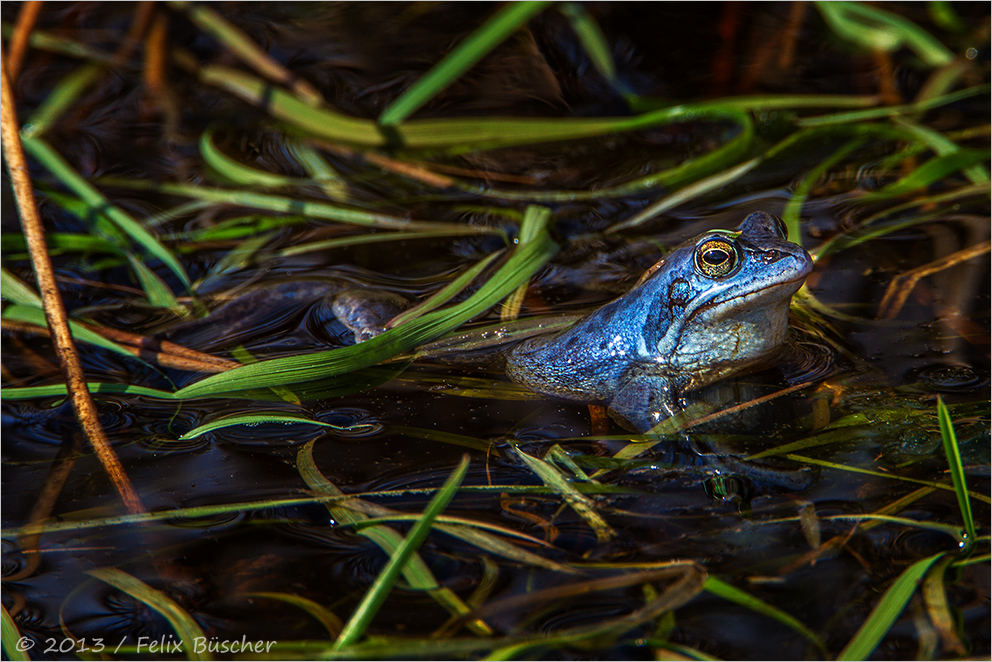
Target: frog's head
column 725, row 296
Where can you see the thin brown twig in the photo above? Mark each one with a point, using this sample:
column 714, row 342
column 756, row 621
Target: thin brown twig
column 166, row 353
column 900, row 287
column 34, row 234
column 22, row 37
column 160, row 352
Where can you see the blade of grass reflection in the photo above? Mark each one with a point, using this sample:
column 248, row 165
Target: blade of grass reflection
column 684, row 173
column 790, row 216
column 843, row 467
column 184, row 625
column 738, row 596
column 322, row 614
column 246, row 50
column 320, row 171
column 443, row 295
column 60, row 99
column 934, row 592
column 731, row 174
column 932, row 171
column 594, row 43
column 478, row 534
column 414, row 570
column 942, row 145
column 580, row 503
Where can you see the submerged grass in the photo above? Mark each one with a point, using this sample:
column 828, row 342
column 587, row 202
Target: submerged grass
column 185, row 626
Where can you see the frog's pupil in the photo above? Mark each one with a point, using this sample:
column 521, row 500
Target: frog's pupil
column 716, row 256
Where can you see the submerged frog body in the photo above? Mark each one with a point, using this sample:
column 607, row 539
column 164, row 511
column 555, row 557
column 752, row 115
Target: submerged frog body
column 715, row 306
column 364, row 311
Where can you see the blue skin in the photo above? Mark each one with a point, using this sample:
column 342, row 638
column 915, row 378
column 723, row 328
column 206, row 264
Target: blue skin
column 716, row 306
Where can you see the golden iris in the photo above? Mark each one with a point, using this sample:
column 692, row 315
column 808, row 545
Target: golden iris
column 716, row 258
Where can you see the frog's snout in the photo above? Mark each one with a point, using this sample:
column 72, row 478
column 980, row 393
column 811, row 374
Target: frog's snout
column 794, row 259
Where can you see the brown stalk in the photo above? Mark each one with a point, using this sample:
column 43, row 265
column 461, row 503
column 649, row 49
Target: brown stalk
column 22, row 37
column 58, row 474
column 903, row 284
column 163, row 350
column 795, row 22
column 34, row 234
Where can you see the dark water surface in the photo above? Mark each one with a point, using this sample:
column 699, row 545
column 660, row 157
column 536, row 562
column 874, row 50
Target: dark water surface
column 780, row 529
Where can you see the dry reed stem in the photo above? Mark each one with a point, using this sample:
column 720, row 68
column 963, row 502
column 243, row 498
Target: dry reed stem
column 34, row 235
column 22, row 37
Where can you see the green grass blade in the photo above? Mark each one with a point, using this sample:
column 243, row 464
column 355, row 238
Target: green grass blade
column 490, row 132
column 96, row 388
column 885, row 613
column 297, row 206
column 874, row 28
column 185, row 627
column 10, row 639
column 36, row 316
column 261, row 419
column 362, row 617
column 930, row 172
column 333, row 185
column 445, row 294
column 60, row 168
column 594, row 43
column 795, row 205
column 61, row 98
column 943, row 145
column 379, row 237
column 158, row 293
column 880, row 474
column 702, row 187
column 733, row 594
column 61, row 242
column 354, row 511
column 16, row 290
column 238, row 173
column 953, row 453
column 244, row 48
column 580, row 503
column 476, row 46
column 526, row 259
column 854, row 116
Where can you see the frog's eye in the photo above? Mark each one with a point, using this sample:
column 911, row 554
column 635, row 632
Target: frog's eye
column 716, row 258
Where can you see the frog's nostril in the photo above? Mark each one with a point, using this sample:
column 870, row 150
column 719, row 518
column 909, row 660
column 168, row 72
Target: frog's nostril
column 770, row 257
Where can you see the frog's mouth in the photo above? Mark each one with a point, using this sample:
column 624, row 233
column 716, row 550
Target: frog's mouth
column 786, row 287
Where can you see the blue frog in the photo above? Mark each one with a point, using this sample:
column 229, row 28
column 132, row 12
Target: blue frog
column 715, row 306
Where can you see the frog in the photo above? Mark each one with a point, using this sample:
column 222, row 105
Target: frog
column 714, row 307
